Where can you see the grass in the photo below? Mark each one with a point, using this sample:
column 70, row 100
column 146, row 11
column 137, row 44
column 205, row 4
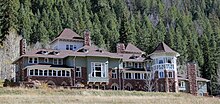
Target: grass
column 67, row 96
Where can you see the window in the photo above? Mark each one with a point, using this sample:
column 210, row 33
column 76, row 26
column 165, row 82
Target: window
column 161, row 74
column 78, row 71
column 57, row 61
column 140, row 65
column 74, row 47
column 169, row 60
column 71, row 47
column 99, row 69
column 31, row 72
column 41, row 72
column 32, row 60
column 137, row 76
column 128, row 75
column 67, row 73
column 50, row 72
column 54, row 73
column 63, row 72
column 124, row 64
column 130, row 64
column 46, row 60
column 160, row 61
column 45, row 72
column 36, row 71
column 182, row 84
column 170, row 74
column 67, row 47
column 114, row 74
column 114, row 87
column 59, row 73
column 136, row 65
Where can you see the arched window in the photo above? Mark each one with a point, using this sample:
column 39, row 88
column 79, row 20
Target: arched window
column 114, row 86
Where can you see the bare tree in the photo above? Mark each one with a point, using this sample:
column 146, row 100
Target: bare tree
column 150, row 83
column 10, row 53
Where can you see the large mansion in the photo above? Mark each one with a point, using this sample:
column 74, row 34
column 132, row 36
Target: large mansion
column 72, row 61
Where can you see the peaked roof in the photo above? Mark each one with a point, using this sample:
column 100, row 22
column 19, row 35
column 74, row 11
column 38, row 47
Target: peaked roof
column 162, row 47
column 68, row 34
column 132, row 48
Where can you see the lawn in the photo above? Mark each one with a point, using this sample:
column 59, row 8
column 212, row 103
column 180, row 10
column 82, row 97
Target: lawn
column 67, row 96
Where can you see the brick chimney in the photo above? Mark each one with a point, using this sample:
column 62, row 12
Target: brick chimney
column 87, row 38
column 23, row 46
column 120, row 48
column 191, row 75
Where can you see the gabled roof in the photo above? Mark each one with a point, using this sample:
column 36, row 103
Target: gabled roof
column 132, row 57
column 132, row 48
column 162, row 47
column 69, row 35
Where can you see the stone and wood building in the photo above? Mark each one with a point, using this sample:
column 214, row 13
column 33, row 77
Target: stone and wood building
column 72, row 61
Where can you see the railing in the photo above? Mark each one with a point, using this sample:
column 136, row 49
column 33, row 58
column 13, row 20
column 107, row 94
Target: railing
column 163, row 66
column 98, row 79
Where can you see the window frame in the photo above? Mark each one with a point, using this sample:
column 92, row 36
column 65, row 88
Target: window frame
column 161, row 73
column 170, row 74
column 79, row 72
column 33, row 60
column 56, row 61
column 114, row 74
column 67, row 47
column 103, row 69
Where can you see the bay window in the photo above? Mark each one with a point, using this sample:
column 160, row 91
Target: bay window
column 99, row 69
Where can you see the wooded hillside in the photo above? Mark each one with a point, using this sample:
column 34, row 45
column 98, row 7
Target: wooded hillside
column 191, row 27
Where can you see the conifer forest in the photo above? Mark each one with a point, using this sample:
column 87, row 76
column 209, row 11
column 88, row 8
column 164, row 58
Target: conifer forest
column 190, row 27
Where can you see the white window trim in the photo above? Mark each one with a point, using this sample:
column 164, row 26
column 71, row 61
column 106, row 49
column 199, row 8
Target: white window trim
column 159, row 74
column 182, row 84
column 103, row 69
column 43, row 74
column 169, row 75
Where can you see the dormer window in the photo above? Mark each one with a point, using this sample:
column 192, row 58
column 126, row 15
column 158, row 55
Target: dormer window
column 32, row 60
column 55, row 52
column 44, row 52
column 99, row 50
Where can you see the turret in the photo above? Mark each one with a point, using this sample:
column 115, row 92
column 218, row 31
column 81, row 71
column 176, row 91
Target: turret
column 165, row 68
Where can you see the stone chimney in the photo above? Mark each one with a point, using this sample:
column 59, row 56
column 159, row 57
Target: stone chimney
column 191, row 75
column 87, row 38
column 120, row 48
column 23, row 46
